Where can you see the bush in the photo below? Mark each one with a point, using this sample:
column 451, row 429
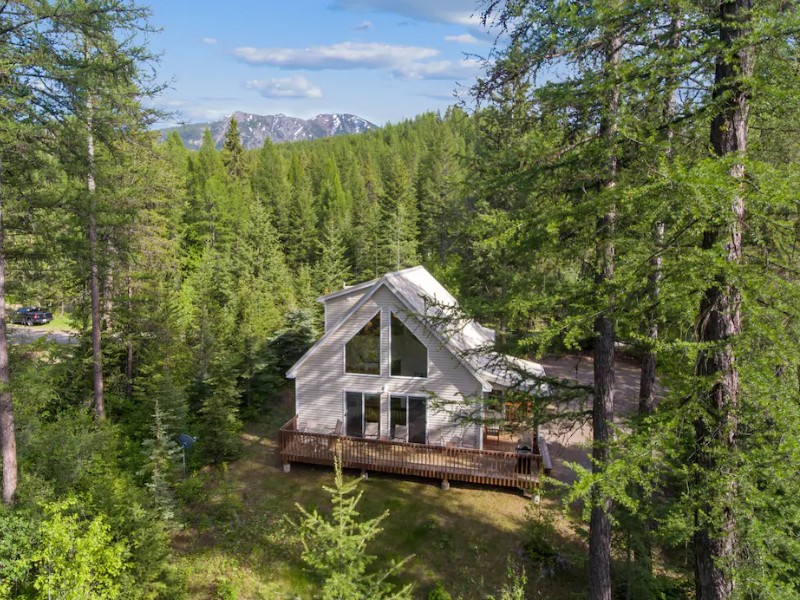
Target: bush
column 439, row 593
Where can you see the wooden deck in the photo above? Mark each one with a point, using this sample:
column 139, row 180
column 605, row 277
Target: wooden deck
column 490, row 467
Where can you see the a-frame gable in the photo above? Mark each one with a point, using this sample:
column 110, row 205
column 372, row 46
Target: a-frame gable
column 383, row 281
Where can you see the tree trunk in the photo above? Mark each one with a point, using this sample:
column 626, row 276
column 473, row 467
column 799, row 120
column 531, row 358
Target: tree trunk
column 720, row 321
column 8, row 439
column 94, row 273
column 647, row 382
column 603, row 400
column 129, row 361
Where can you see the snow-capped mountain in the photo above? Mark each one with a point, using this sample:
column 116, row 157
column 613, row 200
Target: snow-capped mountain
column 255, row 129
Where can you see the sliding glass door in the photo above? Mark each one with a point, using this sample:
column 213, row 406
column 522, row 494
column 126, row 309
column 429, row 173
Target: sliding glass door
column 409, row 419
column 362, row 414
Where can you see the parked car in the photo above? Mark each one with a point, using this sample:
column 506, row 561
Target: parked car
column 31, row 315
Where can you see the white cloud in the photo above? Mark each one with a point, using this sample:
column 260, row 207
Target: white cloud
column 295, row 86
column 464, row 38
column 442, row 69
column 345, row 55
column 209, row 41
column 460, row 12
column 363, row 26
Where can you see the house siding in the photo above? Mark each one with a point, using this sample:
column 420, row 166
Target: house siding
column 321, row 380
column 336, row 308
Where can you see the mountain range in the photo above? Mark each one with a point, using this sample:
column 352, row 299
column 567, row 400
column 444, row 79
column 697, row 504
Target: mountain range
column 255, row 129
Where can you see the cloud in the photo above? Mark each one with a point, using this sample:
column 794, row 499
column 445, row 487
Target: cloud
column 295, row 86
column 442, row 69
column 464, row 38
column 460, row 12
column 345, row 55
column 363, row 26
column 209, row 41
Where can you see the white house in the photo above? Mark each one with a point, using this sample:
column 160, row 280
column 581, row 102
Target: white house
column 394, row 364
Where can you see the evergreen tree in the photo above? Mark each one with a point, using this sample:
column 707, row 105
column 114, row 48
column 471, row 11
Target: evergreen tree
column 334, row 203
column 302, row 217
column 161, row 453
column 270, row 186
column 331, row 272
column 335, row 548
column 233, row 151
column 398, row 218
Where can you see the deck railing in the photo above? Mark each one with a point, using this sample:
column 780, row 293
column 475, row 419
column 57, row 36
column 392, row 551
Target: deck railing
column 491, row 467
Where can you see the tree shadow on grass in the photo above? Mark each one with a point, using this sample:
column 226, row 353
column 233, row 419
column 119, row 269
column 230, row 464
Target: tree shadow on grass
column 462, row 537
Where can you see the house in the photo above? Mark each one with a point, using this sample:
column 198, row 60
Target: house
column 398, row 367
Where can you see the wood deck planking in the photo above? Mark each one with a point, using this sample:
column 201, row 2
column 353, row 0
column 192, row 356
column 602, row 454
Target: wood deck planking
column 506, row 469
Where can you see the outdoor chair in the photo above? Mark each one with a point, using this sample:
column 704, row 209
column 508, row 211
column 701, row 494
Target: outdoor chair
column 371, row 431
column 400, row 433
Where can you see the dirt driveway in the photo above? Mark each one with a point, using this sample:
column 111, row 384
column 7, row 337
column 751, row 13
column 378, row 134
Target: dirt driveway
column 573, row 445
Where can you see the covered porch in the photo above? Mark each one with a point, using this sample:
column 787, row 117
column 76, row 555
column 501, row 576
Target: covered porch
column 489, row 467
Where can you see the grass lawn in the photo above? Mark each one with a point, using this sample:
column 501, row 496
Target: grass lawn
column 237, row 542
column 60, row 322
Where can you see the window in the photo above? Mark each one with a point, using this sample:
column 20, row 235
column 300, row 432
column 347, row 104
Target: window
column 409, row 355
column 362, row 353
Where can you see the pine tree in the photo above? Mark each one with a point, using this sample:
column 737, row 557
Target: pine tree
column 398, row 218
column 331, row 271
column 161, row 453
column 270, row 186
column 335, row 548
column 233, row 151
column 302, row 217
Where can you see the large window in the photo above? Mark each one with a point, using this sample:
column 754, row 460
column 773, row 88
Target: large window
column 362, row 354
column 409, row 355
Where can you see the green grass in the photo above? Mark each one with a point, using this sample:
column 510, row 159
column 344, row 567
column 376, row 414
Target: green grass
column 237, row 536
column 60, row 322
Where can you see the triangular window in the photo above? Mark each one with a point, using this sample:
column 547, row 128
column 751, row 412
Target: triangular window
column 362, row 354
column 409, row 355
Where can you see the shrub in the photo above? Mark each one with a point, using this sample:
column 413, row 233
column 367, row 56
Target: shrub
column 439, row 593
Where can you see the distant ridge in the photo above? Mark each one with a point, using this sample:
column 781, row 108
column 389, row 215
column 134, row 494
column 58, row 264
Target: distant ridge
column 255, row 129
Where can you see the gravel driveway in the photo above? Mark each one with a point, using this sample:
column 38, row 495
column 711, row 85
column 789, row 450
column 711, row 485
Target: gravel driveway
column 573, row 445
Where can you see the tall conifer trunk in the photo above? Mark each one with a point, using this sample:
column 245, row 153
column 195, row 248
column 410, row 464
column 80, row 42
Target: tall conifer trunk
column 647, row 381
column 94, row 271
column 603, row 401
column 8, row 439
column 720, row 321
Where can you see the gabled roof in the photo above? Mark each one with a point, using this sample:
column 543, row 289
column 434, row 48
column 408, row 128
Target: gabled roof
column 429, row 301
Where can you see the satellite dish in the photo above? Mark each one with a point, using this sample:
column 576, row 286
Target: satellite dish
column 186, row 441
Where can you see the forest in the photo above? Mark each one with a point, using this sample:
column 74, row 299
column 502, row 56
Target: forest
column 623, row 177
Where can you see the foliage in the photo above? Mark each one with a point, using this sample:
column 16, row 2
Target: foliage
column 77, row 559
column 438, row 593
column 335, row 548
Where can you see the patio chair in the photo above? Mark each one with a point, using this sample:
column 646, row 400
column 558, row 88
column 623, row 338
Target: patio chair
column 371, row 431
column 454, row 442
column 337, row 433
column 400, row 433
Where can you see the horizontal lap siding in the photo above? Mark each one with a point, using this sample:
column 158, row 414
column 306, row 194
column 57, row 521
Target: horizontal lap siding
column 336, row 308
column 321, row 379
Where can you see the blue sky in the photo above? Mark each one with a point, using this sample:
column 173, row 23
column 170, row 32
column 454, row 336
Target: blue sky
column 383, row 60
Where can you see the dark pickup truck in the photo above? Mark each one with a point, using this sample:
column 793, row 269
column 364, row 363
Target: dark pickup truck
column 31, row 315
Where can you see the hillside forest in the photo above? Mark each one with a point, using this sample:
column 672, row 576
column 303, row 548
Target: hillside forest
column 623, row 176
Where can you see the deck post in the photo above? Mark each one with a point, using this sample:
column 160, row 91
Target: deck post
column 287, row 467
column 445, row 484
